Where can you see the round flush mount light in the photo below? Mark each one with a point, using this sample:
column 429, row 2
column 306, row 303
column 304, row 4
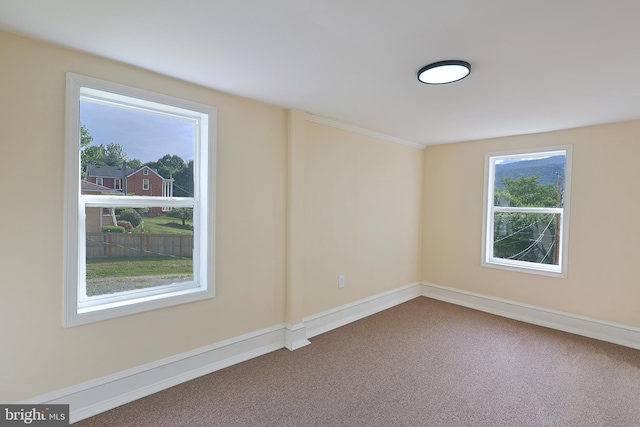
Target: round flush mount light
column 444, row 72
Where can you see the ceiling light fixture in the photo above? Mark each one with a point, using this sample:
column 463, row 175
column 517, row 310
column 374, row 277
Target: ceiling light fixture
column 444, row 72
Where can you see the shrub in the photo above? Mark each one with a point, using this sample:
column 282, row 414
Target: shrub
column 112, row 229
column 126, row 224
column 131, row 216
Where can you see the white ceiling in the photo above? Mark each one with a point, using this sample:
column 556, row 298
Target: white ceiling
column 537, row 65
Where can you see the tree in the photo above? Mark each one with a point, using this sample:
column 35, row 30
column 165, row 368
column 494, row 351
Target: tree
column 134, row 164
column 183, row 181
column 525, row 192
column 182, row 213
column 525, row 236
column 173, row 166
column 114, row 154
column 85, row 137
column 110, row 155
column 89, row 154
column 168, row 165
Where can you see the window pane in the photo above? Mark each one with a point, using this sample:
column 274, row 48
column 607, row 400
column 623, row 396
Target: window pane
column 529, row 181
column 526, row 237
column 136, row 151
column 129, row 249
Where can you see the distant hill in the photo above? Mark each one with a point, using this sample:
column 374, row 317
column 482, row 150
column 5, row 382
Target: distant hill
column 546, row 169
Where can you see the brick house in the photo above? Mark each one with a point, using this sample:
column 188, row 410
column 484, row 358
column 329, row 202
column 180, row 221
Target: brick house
column 140, row 182
column 113, row 177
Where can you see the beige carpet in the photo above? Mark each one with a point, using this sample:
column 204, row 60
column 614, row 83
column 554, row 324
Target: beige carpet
column 422, row 363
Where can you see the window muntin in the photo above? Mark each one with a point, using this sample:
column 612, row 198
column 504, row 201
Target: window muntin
column 87, row 300
column 526, row 210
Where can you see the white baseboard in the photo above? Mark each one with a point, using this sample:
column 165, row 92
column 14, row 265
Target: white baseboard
column 567, row 322
column 99, row 395
column 331, row 319
column 295, row 336
column 102, row 394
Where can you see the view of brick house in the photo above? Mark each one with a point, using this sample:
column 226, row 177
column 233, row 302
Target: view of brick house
column 140, row 182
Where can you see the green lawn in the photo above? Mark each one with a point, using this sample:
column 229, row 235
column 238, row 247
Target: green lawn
column 142, row 266
column 113, row 275
column 165, row 225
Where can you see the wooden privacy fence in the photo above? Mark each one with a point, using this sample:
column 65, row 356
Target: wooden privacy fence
column 106, row 245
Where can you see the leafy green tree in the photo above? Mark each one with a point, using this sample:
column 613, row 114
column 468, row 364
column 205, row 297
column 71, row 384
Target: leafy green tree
column 183, row 181
column 525, row 236
column 85, row 137
column 89, row 154
column 181, row 213
column 168, row 165
column 114, row 154
column 110, row 155
column 92, row 155
column 525, row 192
column 134, row 164
column 173, row 166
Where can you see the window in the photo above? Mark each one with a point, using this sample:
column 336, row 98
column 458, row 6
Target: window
column 122, row 254
column 145, row 172
column 99, row 181
column 526, row 210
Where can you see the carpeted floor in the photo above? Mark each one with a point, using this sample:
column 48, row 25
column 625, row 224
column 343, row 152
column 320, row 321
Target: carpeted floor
column 422, row 363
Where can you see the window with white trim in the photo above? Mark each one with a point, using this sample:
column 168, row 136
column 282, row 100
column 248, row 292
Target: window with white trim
column 526, row 210
column 145, row 184
column 123, row 255
column 99, row 181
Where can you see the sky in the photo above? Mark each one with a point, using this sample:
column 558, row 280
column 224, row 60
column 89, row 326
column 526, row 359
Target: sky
column 143, row 136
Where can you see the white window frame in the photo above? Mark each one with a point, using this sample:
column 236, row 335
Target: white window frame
column 100, row 181
column 145, row 172
column 80, row 309
column 145, row 184
column 117, row 183
column 488, row 260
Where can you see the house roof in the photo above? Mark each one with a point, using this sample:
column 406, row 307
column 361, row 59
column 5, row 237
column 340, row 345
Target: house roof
column 147, row 167
column 117, row 172
column 107, row 171
column 90, row 187
column 536, row 65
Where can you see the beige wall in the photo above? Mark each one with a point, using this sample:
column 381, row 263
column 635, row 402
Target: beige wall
column 37, row 355
column 357, row 198
column 362, row 216
column 604, row 239
column 382, row 214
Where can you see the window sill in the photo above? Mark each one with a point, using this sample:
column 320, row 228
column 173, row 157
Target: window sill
column 112, row 310
column 551, row 271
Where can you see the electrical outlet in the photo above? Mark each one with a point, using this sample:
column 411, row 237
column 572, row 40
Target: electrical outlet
column 341, row 281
